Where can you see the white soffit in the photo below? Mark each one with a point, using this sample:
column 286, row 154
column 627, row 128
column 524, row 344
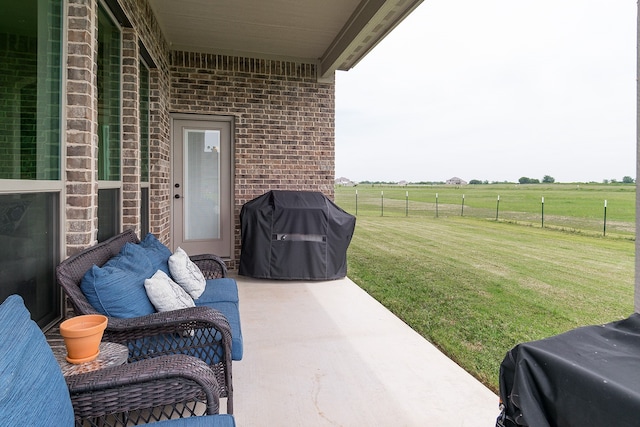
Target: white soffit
column 335, row 34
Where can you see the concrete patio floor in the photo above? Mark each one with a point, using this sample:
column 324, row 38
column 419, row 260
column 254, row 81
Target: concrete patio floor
column 328, row 354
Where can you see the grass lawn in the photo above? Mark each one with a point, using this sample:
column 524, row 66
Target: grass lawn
column 475, row 287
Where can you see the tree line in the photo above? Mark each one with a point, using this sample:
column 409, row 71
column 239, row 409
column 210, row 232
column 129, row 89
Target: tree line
column 547, row 179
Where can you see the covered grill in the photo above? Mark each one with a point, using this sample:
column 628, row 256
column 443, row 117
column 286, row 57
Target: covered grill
column 294, row 235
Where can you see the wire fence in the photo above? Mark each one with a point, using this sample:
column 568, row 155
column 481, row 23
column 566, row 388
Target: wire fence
column 589, row 216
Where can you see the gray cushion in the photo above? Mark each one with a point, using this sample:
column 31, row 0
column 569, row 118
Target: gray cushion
column 186, row 273
column 165, row 294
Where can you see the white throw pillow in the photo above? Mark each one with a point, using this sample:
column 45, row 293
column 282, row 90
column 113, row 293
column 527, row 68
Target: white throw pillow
column 165, row 294
column 186, row 273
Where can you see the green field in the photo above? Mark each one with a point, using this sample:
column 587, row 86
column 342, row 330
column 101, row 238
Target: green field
column 474, row 286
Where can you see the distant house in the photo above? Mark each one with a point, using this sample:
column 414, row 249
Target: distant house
column 456, row 181
column 345, row 182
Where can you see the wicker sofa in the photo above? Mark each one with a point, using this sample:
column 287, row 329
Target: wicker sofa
column 34, row 391
column 202, row 331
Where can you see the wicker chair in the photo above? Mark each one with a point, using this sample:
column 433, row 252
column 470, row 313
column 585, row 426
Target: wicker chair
column 34, row 391
column 199, row 331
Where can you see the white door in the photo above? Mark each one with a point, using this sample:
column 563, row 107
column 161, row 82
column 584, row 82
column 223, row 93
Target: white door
column 201, row 182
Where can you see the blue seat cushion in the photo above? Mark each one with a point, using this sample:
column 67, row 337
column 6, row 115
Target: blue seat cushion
column 157, row 253
column 217, row 290
column 117, row 288
column 219, row 294
column 222, row 295
column 220, row 420
column 230, row 311
column 32, row 388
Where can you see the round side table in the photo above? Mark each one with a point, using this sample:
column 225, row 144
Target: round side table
column 111, row 354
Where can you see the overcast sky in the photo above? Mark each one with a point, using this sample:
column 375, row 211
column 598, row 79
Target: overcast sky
column 494, row 90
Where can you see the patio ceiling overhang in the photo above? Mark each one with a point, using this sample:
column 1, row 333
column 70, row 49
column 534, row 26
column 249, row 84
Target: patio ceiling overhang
column 334, row 34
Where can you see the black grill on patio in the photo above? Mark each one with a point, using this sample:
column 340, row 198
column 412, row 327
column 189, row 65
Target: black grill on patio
column 296, row 235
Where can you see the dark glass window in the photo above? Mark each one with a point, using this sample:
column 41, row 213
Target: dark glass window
column 108, row 213
column 30, row 90
column 109, row 118
column 144, row 122
column 30, row 93
column 144, row 212
column 108, row 98
column 29, row 253
column 144, row 149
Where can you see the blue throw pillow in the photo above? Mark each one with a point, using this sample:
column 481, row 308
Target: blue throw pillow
column 117, row 288
column 32, row 389
column 157, row 253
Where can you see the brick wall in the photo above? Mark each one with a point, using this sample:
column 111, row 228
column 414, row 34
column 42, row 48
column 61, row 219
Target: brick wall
column 81, row 136
column 130, row 132
column 160, row 156
column 81, row 126
column 284, row 120
column 149, row 34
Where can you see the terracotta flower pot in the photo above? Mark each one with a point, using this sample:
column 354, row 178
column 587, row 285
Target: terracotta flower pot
column 82, row 336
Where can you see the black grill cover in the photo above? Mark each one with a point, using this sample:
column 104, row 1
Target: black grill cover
column 589, row 376
column 294, row 235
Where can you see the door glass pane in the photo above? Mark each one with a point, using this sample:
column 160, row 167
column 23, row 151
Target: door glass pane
column 29, row 252
column 202, row 184
column 30, row 67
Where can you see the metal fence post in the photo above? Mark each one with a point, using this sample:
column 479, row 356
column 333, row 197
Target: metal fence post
column 604, row 227
column 406, row 209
